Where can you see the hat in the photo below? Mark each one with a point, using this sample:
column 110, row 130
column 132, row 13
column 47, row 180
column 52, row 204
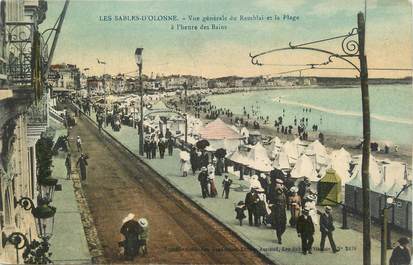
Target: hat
column 143, row 222
column 128, row 218
column 312, row 197
column 203, row 168
column 403, row 241
column 78, row 136
column 279, row 181
column 294, row 189
column 259, row 189
column 328, row 208
column 240, row 203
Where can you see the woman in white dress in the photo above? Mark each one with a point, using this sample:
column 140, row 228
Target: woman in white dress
column 311, row 204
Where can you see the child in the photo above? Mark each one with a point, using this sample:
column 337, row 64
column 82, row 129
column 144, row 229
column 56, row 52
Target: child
column 239, row 209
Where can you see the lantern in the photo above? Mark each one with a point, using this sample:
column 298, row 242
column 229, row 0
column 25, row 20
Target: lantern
column 44, row 218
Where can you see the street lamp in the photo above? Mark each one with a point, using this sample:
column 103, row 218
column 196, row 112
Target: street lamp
column 138, row 59
column 43, row 214
column 44, row 219
column 385, row 229
column 47, row 188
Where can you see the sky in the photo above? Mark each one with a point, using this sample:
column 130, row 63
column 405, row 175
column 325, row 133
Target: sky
column 85, row 36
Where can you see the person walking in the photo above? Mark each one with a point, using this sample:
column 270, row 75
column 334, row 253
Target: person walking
column 280, row 216
column 194, row 160
column 294, row 201
column 305, row 230
column 226, row 184
column 162, row 147
column 326, row 229
column 203, row 180
column 79, row 144
column 82, row 164
column 303, row 186
column 130, row 230
column 152, row 147
column 251, row 201
column 401, row 254
column 143, row 235
column 147, row 149
column 170, row 146
column 184, row 167
column 239, row 209
column 68, row 164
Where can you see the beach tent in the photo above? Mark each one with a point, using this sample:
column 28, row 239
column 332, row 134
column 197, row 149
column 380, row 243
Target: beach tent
column 259, row 159
column 291, row 151
column 304, row 168
column 340, row 162
column 318, row 153
column 329, row 188
column 281, row 162
column 300, row 145
column 216, row 131
column 353, row 192
column 277, row 142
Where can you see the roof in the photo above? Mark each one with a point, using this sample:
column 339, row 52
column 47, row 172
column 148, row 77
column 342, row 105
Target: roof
column 331, row 176
column 218, row 130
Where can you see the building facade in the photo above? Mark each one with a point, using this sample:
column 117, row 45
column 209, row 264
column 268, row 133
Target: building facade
column 21, row 123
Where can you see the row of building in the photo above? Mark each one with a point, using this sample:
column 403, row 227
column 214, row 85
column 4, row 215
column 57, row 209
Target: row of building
column 23, row 117
column 68, row 77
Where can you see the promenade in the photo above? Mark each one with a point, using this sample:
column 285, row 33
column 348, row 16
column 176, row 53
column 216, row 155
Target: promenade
column 262, row 238
column 68, row 244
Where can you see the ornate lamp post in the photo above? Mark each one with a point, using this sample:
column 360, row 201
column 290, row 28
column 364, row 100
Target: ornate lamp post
column 44, row 219
column 350, row 48
column 47, row 188
column 138, row 59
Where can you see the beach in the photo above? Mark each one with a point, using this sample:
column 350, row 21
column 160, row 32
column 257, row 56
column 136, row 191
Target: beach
column 332, row 140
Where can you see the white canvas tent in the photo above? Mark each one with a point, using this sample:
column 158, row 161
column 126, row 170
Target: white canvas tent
column 374, row 169
column 304, row 168
column 340, row 162
column 281, row 162
column 300, row 145
column 259, row 159
column 291, row 151
column 318, row 153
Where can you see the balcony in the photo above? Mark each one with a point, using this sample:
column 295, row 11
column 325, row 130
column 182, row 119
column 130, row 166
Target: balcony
column 20, row 39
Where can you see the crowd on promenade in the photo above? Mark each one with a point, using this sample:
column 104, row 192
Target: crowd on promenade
column 269, row 198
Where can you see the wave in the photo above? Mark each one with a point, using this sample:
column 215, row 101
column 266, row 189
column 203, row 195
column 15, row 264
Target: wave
column 343, row 112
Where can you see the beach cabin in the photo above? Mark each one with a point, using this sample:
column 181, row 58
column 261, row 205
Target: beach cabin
column 401, row 213
column 221, row 135
column 329, row 188
column 353, row 188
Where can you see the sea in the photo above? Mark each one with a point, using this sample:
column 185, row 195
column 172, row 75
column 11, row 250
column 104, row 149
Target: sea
column 333, row 110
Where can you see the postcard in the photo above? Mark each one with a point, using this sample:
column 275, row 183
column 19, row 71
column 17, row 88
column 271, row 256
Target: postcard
column 206, row 132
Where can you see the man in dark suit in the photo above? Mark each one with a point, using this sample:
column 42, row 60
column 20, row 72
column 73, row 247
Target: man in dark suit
column 251, row 201
column 326, row 229
column 305, row 230
column 203, row 180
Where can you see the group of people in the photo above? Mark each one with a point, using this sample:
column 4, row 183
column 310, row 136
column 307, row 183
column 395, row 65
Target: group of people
column 152, row 145
column 267, row 203
column 82, row 160
column 135, row 233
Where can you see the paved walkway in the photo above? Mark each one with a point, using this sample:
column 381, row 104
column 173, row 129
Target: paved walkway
column 263, row 238
column 68, row 243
